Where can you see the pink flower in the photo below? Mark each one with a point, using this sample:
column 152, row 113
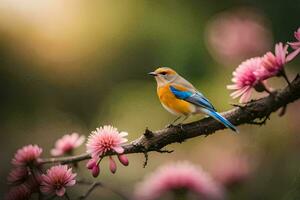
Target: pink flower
column 231, row 170
column 20, row 192
column 273, row 64
column 235, row 35
column 295, row 45
column 67, row 143
column 178, row 176
column 248, row 75
column 57, row 179
column 28, row 155
column 102, row 140
column 18, row 175
column 105, row 139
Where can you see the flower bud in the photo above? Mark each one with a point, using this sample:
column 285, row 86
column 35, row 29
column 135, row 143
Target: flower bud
column 123, row 159
column 112, row 165
column 91, row 164
column 95, row 171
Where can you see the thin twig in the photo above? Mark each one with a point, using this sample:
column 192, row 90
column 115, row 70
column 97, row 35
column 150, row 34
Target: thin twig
column 148, row 133
column 94, row 185
column 146, row 159
column 283, row 73
column 90, row 189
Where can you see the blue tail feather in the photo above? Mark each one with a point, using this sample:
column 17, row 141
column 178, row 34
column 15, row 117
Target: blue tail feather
column 221, row 119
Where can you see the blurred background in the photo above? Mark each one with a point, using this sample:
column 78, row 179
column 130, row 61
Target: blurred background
column 72, row 66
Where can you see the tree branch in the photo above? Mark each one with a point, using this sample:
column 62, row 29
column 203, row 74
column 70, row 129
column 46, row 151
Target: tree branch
column 246, row 114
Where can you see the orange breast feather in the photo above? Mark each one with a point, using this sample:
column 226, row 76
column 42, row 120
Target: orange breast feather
column 174, row 105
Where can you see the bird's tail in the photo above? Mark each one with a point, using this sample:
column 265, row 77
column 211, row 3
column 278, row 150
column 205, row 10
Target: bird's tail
column 221, row 119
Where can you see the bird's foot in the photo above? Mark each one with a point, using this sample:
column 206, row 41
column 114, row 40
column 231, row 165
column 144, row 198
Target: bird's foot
column 170, row 126
column 180, row 125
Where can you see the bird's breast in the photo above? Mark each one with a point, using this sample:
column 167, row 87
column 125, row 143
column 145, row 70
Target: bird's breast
column 172, row 104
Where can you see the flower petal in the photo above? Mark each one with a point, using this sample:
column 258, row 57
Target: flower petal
column 71, row 183
column 118, row 149
column 292, row 55
column 245, row 97
column 123, row 134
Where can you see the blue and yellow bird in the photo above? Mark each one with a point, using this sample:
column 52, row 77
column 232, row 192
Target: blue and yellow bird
column 181, row 98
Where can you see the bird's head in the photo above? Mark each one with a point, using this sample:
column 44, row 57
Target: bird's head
column 164, row 75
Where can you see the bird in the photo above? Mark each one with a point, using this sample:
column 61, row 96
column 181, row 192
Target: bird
column 182, row 99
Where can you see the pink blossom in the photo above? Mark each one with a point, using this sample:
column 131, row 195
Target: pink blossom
column 57, row 179
column 235, row 35
column 20, row 192
column 273, row 64
column 23, row 188
column 67, row 143
column 104, row 139
column 295, row 45
column 248, row 75
column 230, row 170
column 181, row 175
column 18, row 175
column 27, row 155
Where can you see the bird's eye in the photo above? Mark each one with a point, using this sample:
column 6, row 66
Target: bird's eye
column 163, row 73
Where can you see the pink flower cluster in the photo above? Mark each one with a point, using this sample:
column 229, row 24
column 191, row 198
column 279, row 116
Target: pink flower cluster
column 25, row 176
column 179, row 176
column 67, row 144
column 57, row 179
column 101, row 141
column 253, row 73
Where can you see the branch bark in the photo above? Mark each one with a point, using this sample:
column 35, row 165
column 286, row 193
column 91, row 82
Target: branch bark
column 246, row 114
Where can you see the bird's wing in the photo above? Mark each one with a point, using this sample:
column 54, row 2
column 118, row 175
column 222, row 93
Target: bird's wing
column 193, row 97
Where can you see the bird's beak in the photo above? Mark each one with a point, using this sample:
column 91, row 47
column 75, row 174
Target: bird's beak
column 152, row 73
